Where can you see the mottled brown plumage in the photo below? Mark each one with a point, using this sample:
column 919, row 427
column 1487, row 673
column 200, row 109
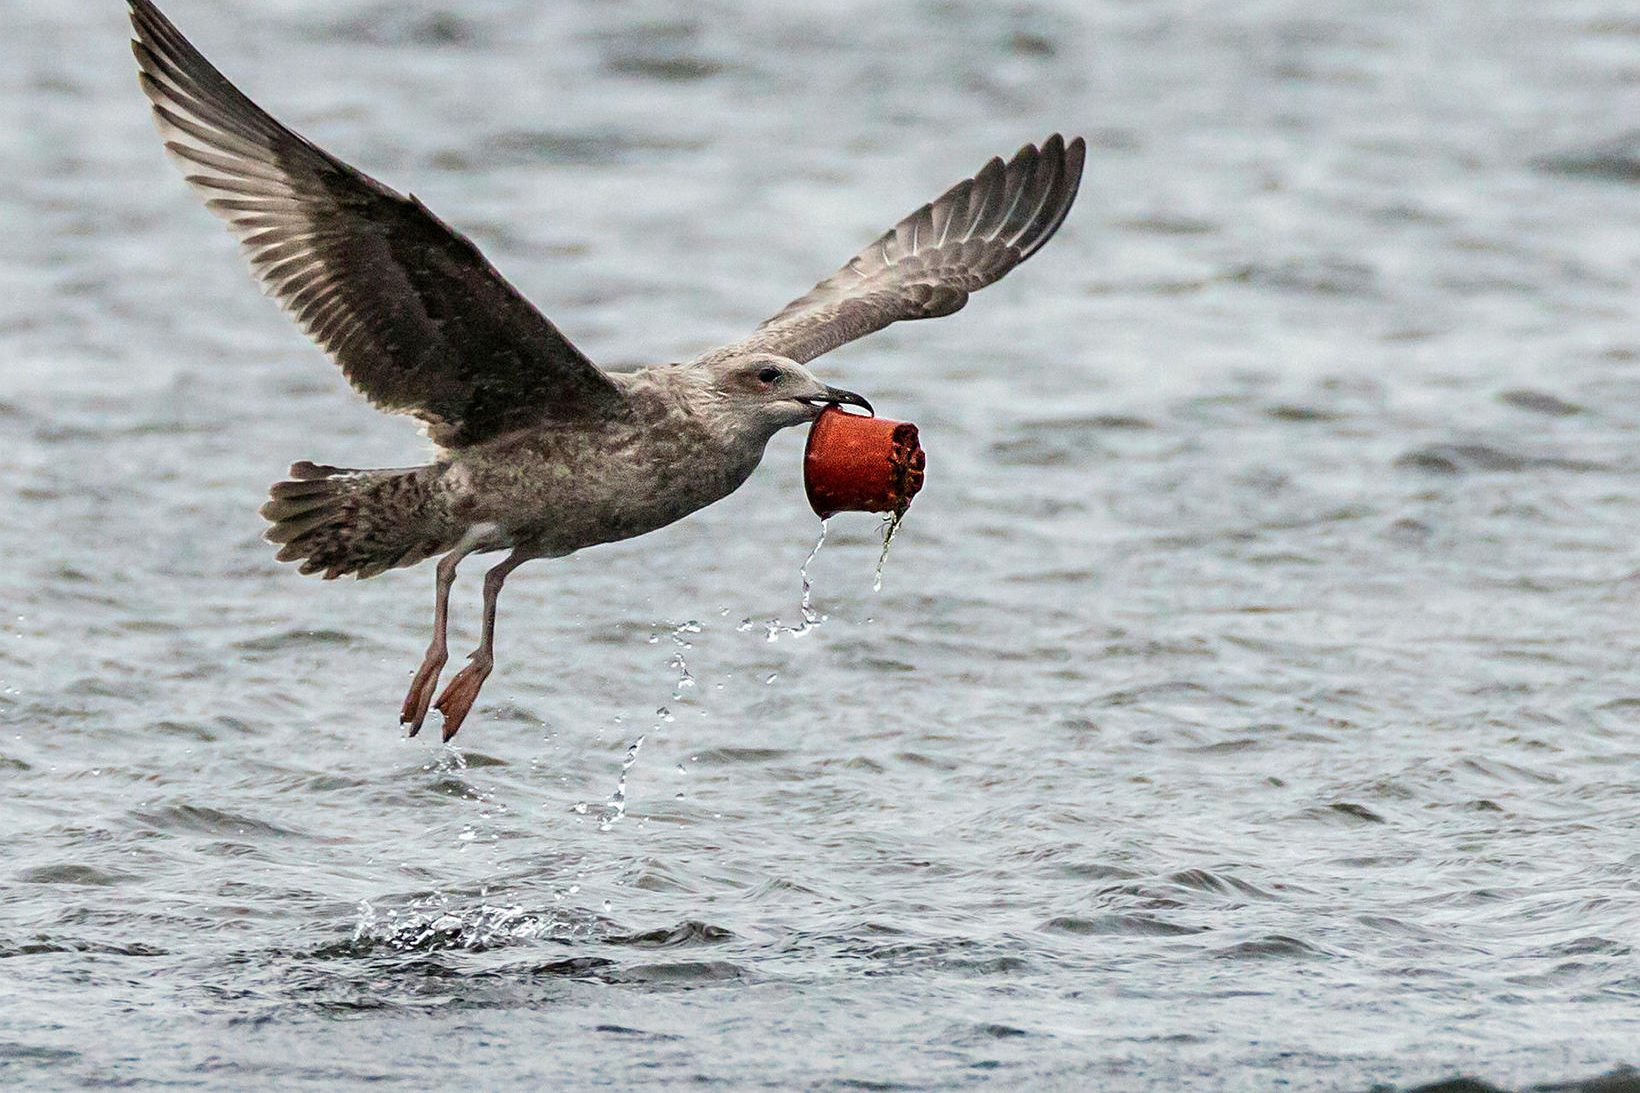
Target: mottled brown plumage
column 541, row 452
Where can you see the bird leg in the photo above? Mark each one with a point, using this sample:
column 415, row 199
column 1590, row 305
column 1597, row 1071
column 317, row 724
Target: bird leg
column 426, row 681
column 458, row 697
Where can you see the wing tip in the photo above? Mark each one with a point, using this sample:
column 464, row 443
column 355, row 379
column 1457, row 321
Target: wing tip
column 148, row 22
column 1064, row 161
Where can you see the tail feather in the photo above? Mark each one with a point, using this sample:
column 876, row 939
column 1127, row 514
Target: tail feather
column 335, row 520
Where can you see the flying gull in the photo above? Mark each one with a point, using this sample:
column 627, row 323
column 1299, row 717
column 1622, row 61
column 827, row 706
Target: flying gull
column 539, row 451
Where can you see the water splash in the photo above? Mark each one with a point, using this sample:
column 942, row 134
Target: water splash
column 436, row 923
column 891, row 525
column 774, row 629
column 615, row 807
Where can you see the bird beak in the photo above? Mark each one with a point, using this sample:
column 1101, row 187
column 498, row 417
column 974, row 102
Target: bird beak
column 836, row 396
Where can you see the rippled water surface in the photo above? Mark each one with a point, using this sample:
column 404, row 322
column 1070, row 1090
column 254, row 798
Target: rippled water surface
column 1250, row 697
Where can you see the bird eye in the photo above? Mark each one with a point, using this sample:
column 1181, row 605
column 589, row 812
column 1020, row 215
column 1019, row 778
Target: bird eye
column 768, row 375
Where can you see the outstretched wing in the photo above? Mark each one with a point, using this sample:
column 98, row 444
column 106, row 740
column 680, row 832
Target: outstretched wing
column 928, row 264
column 417, row 318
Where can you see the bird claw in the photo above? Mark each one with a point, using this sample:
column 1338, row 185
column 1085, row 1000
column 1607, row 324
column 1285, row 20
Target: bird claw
column 458, row 698
column 421, row 691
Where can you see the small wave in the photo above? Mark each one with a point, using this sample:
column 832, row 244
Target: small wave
column 522, row 147
column 1204, row 880
column 684, row 971
column 1343, row 813
column 1293, row 412
column 1116, row 924
column 44, row 945
column 298, row 639
column 1264, row 948
column 204, row 820
column 635, row 1033
column 1480, row 458
column 1618, row 159
column 85, row 875
column 1319, row 275
column 742, row 755
column 1000, row 1032
column 387, row 24
column 683, row 935
column 966, row 956
column 1166, row 224
column 35, row 1053
column 576, row 967
column 1540, row 402
column 675, row 68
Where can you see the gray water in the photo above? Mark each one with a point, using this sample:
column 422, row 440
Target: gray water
column 1250, row 699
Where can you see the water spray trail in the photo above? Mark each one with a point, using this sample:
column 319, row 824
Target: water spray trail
column 616, row 806
column 678, row 662
column 774, row 629
column 811, row 617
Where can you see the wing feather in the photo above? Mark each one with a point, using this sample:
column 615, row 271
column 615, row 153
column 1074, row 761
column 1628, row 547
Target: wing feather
column 928, row 264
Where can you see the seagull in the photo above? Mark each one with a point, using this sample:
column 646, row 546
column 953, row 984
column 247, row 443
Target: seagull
column 538, row 451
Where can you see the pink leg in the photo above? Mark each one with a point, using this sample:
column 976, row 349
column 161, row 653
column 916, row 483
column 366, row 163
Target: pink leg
column 457, row 700
column 426, row 681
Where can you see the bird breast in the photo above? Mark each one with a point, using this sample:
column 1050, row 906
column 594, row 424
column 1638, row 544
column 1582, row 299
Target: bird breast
column 569, row 487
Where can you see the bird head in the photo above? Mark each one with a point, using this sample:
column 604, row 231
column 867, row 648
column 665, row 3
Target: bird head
column 768, row 392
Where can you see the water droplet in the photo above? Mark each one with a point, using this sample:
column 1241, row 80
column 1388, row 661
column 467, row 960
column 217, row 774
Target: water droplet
column 685, row 678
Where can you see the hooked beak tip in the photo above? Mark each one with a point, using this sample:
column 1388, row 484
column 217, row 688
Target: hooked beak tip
column 837, row 396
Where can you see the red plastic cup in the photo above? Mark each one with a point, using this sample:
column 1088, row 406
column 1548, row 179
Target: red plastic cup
column 855, row 463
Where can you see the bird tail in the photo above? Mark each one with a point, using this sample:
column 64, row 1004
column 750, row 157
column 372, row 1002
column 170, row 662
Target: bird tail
column 337, row 521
